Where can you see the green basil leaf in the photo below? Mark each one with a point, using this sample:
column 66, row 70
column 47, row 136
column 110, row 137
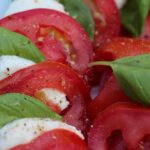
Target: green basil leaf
column 16, row 106
column 133, row 15
column 79, row 11
column 12, row 43
column 133, row 74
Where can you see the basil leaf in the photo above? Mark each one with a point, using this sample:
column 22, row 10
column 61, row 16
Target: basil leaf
column 133, row 15
column 16, row 106
column 79, row 11
column 12, row 43
column 133, row 74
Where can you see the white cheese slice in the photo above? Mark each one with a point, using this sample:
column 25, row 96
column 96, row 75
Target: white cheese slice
column 120, row 3
column 23, row 131
column 10, row 64
column 23, row 5
column 55, row 97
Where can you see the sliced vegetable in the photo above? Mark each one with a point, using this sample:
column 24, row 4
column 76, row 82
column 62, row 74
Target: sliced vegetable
column 146, row 33
column 57, row 139
column 16, row 106
column 53, row 75
column 133, row 74
column 122, row 47
column 107, row 20
column 133, row 15
column 57, row 35
column 110, row 94
column 130, row 119
column 12, row 43
column 79, row 11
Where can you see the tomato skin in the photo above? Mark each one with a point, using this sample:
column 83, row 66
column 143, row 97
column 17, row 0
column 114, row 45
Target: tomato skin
column 130, row 118
column 118, row 48
column 107, row 20
column 52, row 75
column 36, row 24
column 111, row 27
column 112, row 50
column 110, row 94
column 122, row 47
column 146, row 33
column 55, row 140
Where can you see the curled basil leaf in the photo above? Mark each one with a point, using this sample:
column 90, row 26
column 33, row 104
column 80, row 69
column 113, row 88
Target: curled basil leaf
column 16, row 106
column 12, row 43
column 133, row 15
column 79, row 11
column 133, row 74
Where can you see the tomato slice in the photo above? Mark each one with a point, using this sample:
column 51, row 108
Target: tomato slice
column 111, row 93
column 107, row 20
column 114, row 49
column 122, row 47
column 56, row 34
column 130, row 118
column 55, row 140
column 146, row 33
column 52, row 75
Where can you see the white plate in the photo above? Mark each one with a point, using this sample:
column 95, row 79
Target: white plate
column 3, row 6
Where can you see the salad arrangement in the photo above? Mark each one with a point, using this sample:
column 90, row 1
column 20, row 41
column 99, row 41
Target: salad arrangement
column 53, row 54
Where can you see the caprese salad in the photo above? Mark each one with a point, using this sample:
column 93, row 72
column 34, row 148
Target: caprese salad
column 74, row 75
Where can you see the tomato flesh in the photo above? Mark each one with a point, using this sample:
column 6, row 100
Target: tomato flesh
column 49, row 36
column 52, row 75
column 57, row 35
column 122, row 47
column 110, row 94
column 146, row 33
column 131, row 119
column 107, row 20
column 55, row 140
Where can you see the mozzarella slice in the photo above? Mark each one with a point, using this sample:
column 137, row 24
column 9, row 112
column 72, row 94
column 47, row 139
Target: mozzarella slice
column 23, row 5
column 120, row 3
column 23, row 131
column 54, row 96
column 10, row 64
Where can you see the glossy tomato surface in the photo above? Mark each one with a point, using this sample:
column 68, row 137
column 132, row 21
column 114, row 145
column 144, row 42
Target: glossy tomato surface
column 107, row 20
column 56, row 34
column 146, row 33
column 131, row 119
column 55, row 140
column 122, row 47
column 110, row 94
column 118, row 48
column 52, row 75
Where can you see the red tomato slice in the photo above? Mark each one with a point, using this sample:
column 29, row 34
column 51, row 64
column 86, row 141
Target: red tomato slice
column 114, row 49
column 131, row 119
column 146, row 33
column 57, row 35
column 118, row 48
column 116, row 142
column 55, row 140
column 111, row 93
column 52, row 75
column 107, row 20
column 122, row 47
